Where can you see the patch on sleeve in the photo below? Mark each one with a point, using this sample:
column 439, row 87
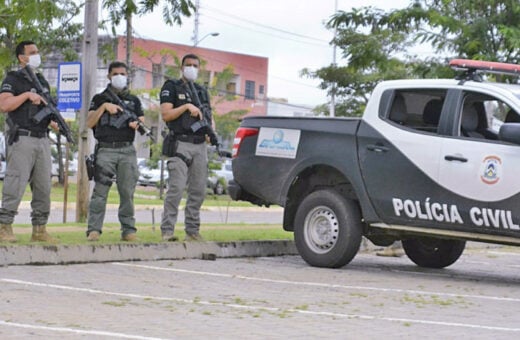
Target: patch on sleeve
column 165, row 93
column 7, row 87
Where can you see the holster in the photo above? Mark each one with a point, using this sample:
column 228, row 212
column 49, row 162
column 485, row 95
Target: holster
column 170, row 144
column 90, row 162
column 13, row 132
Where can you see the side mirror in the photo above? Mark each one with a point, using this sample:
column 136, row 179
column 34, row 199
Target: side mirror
column 510, row 132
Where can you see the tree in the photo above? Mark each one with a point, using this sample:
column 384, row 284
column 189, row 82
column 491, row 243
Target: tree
column 370, row 50
column 172, row 10
column 377, row 45
column 46, row 22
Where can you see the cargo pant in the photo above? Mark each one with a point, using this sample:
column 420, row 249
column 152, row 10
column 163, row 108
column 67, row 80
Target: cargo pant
column 121, row 163
column 194, row 179
column 28, row 161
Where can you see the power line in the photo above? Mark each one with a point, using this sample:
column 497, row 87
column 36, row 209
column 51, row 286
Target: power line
column 264, row 26
column 266, row 99
column 265, row 33
column 189, row 49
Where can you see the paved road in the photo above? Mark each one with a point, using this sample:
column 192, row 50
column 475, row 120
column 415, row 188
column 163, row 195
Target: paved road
column 265, row 298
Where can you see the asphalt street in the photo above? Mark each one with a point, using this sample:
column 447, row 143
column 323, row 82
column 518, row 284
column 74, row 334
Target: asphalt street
column 265, row 298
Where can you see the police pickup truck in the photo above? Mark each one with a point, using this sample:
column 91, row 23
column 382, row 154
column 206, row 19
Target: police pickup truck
column 433, row 163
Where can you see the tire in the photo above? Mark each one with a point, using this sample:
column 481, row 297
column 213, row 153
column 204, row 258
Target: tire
column 328, row 229
column 219, row 189
column 433, row 253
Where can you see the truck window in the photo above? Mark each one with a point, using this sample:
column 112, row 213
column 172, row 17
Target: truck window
column 417, row 109
column 482, row 116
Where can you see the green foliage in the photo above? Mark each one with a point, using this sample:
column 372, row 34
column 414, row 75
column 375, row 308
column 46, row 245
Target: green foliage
column 228, row 123
column 377, row 45
column 46, row 22
column 172, row 10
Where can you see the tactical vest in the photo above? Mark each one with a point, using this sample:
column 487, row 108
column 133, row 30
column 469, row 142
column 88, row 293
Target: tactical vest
column 104, row 131
column 23, row 114
column 183, row 96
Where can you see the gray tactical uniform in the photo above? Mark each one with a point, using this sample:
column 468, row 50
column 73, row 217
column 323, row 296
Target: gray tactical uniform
column 28, row 157
column 115, row 158
column 189, row 169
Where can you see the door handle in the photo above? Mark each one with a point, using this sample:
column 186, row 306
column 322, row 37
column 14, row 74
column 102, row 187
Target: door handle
column 377, row 148
column 452, row 158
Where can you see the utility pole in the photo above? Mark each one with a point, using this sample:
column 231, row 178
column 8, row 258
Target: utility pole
column 333, row 92
column 195, row 37
column 89, row 61
column 129, row 46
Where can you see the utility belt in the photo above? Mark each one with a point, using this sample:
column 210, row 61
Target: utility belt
column 35, row 134
column 114, row 145
column 195, row 139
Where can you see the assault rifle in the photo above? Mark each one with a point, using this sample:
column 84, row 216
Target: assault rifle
column 49, row 110
column 203, row 123
column 127, row 116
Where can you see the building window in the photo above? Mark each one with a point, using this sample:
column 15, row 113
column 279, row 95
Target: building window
column 250, row 89
column 261, row 89
column 231, row 88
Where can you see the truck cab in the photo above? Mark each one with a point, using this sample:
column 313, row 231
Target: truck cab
column 431, row 162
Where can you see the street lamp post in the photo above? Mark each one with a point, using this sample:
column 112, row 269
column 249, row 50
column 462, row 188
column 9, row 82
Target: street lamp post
column 213, row 34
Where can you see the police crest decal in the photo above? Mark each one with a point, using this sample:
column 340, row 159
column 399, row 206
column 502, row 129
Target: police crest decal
column 491, row 169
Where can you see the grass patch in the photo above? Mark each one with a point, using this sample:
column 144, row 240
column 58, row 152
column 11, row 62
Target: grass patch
column 75, row 233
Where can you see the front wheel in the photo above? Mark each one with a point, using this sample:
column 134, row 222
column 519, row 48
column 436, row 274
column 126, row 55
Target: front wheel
column 432, row 252
column 328, row 229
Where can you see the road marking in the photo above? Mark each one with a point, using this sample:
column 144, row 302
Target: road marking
column 317, row 284
column 76, row 331
column 257, row 308
column 503, row 253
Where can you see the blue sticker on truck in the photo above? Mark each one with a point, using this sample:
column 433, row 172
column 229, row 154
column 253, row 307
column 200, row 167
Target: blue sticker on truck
column 280, row 143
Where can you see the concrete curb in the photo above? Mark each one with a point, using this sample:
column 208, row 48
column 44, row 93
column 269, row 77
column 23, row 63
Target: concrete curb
column 70, row 254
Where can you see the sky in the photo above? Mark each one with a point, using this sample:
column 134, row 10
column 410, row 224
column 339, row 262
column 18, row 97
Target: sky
column 291, row 33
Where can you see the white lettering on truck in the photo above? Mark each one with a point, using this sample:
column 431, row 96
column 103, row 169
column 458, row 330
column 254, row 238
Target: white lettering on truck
column 442, row 212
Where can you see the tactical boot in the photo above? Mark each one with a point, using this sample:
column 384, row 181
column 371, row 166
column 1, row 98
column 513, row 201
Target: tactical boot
column 6, row 233
column 40, row 234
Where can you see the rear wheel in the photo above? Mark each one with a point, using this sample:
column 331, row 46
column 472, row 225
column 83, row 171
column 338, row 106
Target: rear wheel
column 219, row 188
column 328, row 229
column 433, row 253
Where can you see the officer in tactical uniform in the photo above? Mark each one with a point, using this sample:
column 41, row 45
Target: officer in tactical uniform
column 186, row 110
column 29, row 154
column 115, row 152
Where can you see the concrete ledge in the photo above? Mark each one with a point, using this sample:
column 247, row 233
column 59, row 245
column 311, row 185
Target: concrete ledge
column 69, row 254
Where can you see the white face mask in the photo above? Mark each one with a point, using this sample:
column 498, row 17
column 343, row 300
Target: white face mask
column 119, row 81
column 190, row 73
column 34, row 60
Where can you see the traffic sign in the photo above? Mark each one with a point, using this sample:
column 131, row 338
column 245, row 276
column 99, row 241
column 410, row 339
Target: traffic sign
column 69, row 86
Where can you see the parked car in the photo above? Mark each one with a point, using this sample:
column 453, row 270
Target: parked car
column 151, row 176
column 218, row 180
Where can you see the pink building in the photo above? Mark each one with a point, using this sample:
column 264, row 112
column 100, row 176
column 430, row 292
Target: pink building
column 246, row 85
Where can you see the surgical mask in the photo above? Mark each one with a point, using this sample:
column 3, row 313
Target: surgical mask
column 190, row 73
column 119, row 81
column 34, row 60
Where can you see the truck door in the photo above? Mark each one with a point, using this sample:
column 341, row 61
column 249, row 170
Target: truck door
column 398, row 154
column 479, row 171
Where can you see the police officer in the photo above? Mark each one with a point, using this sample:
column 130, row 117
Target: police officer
column 29, row 155
column 115, row 152
column 185, row 109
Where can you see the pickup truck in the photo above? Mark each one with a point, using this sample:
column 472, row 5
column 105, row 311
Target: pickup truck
column 432, row 162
